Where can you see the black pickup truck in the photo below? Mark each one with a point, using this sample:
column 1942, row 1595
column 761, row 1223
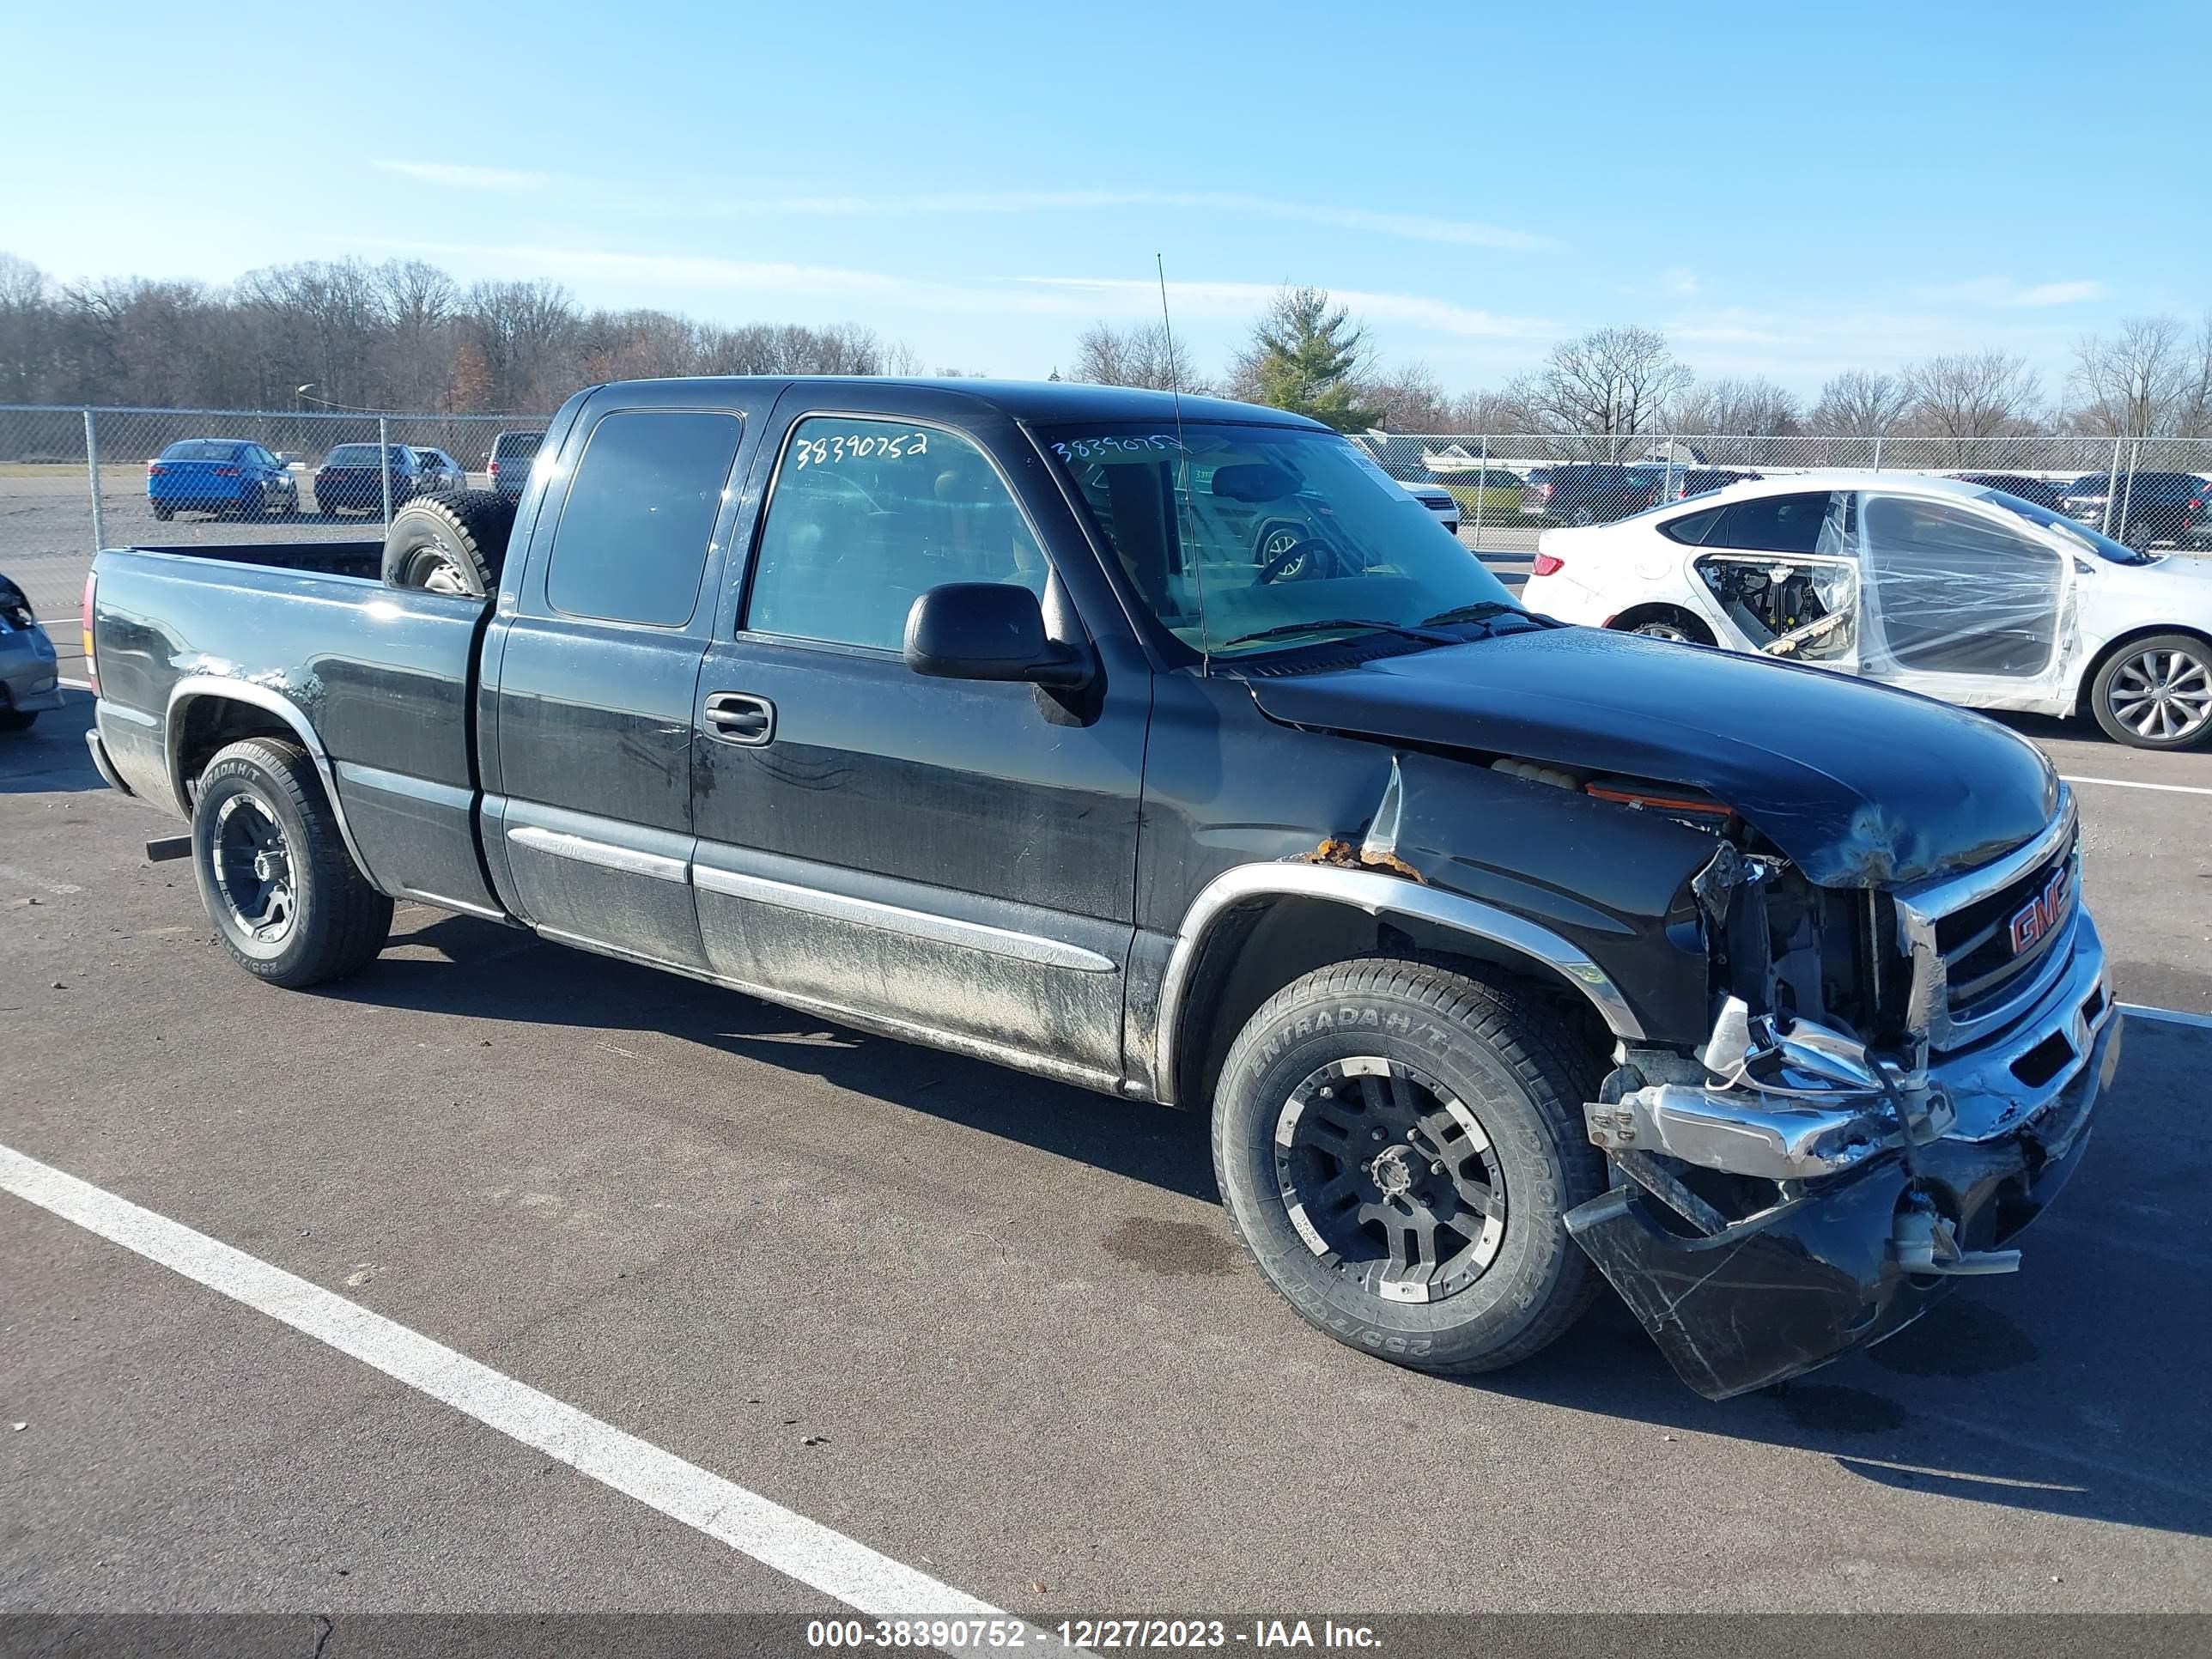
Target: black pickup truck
column 1505, row 955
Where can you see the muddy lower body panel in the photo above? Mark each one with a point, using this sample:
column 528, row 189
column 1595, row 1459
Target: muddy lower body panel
column 1780, row 1293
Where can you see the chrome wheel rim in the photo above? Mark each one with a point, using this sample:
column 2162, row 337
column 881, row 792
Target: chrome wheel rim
column 439, row 570
column 1663, row 630
column 2164, row 695
column 1390, row 1179
column 253, row 870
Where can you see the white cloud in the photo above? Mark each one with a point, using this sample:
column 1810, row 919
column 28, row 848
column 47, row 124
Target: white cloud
column 1419, row 310
column 1681, row 281
column 466, row 178
column 2008, row 292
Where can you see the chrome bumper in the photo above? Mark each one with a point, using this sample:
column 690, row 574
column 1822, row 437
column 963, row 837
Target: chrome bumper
column 1875, row 1213
column 2005, row 1085
column 104, row 766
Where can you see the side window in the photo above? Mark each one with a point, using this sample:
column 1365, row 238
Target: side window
column 1775, row 524
column 1693, row 528
column 631, row 544
column 867, row 516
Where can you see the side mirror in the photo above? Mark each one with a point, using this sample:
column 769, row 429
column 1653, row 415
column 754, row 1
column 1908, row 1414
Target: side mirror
column 987, row 631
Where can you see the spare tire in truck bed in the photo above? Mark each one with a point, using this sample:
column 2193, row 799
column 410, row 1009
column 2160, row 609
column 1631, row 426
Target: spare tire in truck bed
column 452, row 542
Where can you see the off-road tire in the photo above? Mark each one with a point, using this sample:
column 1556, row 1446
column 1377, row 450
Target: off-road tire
column 1514, row 1062
column 462, row 531
column 339, row 921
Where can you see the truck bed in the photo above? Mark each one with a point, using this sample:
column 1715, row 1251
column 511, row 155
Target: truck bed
column 377, row 682
column 363, row 559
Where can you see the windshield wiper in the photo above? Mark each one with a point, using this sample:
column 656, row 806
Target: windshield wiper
column 1284, row 630
column 1482, row 611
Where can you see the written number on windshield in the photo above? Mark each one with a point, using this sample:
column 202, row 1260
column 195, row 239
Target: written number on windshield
column 1093, row 449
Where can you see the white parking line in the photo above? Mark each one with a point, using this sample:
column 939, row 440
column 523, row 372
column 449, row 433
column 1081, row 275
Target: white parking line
column 2172, row 1016
column 777, row 1537
column 2130, row 783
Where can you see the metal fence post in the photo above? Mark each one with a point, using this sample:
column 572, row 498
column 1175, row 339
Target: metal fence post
column 2112, row 487
column 92, row 471
column 2127, row 495
column 1482, row 488
column 1877, row 452
column 384, row 461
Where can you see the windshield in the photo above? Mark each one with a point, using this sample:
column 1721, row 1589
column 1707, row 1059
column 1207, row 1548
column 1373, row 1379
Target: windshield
column 1230, row 533
column 2072, row 530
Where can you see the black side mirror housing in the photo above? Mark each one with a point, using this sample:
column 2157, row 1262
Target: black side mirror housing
column 988, row 631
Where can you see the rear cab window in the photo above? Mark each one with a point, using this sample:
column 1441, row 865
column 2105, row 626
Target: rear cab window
column 634, row 530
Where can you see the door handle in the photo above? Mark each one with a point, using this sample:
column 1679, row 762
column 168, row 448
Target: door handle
column 739, row 717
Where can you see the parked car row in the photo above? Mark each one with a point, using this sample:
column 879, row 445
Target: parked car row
column 239, row 478
column 1599, row 494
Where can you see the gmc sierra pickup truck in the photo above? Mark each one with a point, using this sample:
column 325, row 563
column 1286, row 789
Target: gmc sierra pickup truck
column 1505, row 954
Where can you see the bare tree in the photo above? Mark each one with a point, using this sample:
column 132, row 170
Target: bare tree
column 1611, row 383
column 1142, row 355
column 2133, row 384
column 1753, row 407
column 1983, row 394
column 1411, row 400
column 2193, row 416
column 1860, row 404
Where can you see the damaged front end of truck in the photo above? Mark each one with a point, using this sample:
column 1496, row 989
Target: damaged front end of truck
column 1898, row 1079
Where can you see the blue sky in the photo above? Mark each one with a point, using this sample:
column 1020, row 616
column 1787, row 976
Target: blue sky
column 1783, row 190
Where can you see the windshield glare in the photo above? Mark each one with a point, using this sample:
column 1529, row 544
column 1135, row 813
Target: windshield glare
column 2082, row 536
column 1227, row 531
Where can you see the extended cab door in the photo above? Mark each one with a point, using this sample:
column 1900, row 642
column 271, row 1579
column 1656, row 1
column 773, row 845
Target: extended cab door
column 597, row 654
column 954, row 856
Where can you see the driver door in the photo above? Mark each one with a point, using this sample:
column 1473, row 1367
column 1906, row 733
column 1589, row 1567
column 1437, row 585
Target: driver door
column 1962, row 606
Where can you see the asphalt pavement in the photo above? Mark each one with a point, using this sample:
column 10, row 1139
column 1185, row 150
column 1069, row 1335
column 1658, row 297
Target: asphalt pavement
column 994, row 1330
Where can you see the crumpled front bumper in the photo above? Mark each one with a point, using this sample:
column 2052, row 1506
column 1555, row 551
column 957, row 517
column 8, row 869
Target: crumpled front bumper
column 28, row 680
column 1782, row 1292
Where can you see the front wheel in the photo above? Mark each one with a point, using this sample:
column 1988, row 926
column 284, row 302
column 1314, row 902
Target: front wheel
column 2156, row 693
column 273, row 871
column 1398, row 1144
column 17, row 719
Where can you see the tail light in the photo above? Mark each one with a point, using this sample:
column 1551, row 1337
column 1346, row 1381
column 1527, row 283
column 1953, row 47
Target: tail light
column 155, row 469
column 226, row 472
column 1546, row 490
column 493, row 469
column 84, row 616
column 1547, row 565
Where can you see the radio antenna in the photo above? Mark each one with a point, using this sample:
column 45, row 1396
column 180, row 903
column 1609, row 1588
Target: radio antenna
column 1182, row 466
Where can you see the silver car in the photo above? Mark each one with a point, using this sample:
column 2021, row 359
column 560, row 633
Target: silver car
column 27, row 683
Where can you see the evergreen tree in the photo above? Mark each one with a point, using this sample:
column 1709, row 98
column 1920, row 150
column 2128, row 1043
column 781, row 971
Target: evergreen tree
column 1307, row 355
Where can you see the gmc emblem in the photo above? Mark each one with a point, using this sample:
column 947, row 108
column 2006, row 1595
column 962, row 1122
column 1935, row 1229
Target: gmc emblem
column 2036, row 920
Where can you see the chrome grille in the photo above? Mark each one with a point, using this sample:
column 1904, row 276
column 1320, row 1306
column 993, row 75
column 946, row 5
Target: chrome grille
column 1968, row 980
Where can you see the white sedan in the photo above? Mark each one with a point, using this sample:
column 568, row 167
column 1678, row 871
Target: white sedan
column 1931, row 584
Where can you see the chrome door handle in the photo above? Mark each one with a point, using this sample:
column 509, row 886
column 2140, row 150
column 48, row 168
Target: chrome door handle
column 739, row 717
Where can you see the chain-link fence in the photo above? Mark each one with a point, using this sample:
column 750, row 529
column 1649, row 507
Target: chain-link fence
column 73, row 480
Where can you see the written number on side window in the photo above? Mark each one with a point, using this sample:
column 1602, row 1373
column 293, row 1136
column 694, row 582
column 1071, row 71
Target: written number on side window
column 857, row 447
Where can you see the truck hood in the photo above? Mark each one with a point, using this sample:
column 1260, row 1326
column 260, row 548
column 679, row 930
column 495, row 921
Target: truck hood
column 1858, row 785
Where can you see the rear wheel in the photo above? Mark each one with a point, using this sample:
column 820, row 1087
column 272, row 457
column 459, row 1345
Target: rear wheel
column 449, row 543
column 285, row 897
column 1397, row 1143
column 2156, row 693
column 164, row 512
column 1669, row 624
column 17, row 719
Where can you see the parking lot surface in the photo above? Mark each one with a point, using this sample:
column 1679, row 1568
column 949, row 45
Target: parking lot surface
column 994, row 1329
